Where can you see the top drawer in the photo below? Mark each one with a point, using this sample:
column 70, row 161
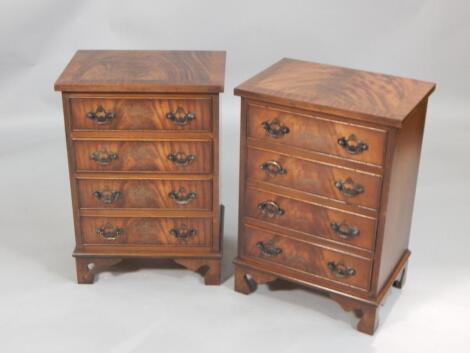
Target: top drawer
column 141, row 113
column 346, row 140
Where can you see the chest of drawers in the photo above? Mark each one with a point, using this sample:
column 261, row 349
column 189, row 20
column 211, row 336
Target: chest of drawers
column 143, row 150
column 329, row 161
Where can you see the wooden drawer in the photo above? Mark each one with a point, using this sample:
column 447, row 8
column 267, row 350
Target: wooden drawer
column 125, row 193
column 162, row 156
column 298, row 255
column 315, row 133
column 335, row 182
column 141, row 114
column 185, row 232
column 317, row 220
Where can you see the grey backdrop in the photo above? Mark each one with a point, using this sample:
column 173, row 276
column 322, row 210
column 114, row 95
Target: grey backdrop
column 43, row 310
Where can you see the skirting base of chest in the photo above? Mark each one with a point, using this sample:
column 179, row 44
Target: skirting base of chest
column 91, row 262
column 248, row 275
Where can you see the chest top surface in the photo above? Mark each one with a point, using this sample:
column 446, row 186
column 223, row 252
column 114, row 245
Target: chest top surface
column 361, row 95
column 144, row 71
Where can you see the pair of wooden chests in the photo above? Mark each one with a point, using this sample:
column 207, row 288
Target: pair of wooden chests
column 328, row 165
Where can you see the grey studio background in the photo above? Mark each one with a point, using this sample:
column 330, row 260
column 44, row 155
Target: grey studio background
column 42, row 309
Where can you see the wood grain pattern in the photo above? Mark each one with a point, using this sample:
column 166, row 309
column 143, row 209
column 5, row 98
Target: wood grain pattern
column 128, row 95
column 147, row 231
column 313, row 219
column 292, row 114
column 141, row 113
column 143, row 71
column 144, row 194
column 400, row 194
column 144, row 156
column 305, row 257
column 355, row 94
column 314, row 132
column 313, row 177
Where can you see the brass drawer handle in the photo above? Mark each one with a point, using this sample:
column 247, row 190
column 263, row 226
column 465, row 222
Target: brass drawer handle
column 181, row 158
column 182, row 197
column 352, row 145
column 107, row 196
column 349, row 188
column 268, row 249
column 103, row 157
column 275, row 128
column 344, row 230
column 272, row 168
column 340, row 270
column 270, row 208
column 180, row 117
column 109, row 232
column 183, row 233
column 100, row 116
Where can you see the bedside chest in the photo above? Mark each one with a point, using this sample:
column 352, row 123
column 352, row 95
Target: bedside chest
column 329, row 161
column 143, row 147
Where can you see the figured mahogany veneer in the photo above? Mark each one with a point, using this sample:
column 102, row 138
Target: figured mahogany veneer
column 135, row 193
column 313, row 132
column 157, row 232
column 120, row 156
column 314, row 177
column 349, row 229
column 143, row 148
column 328, row 167
column 305, row 257
column 142, row 113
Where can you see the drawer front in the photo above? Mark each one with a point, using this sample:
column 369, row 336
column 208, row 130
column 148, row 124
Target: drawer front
column 174, row 157
column 317, row 134
column 306, row 257
column 169, row 194
column 184, row 232
column 343, row 227
column 141, row 114
column 346, row 185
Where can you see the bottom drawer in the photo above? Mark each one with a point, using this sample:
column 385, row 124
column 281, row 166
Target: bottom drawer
column 180, row 232
column 299, row 255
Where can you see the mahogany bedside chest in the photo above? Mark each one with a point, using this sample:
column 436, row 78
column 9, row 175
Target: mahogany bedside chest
column 329, row 161
column 143, row 148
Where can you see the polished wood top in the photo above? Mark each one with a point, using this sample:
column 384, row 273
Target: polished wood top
column 144, row 71
column 336, row 90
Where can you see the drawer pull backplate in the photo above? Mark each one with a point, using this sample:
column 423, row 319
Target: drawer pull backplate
column 182, row 197
column 109, row 232
column 352, row 145
column 100, row 116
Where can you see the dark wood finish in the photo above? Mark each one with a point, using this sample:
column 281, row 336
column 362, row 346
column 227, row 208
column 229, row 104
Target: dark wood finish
column 367, row 314
column 210, row 269
column 304, row 257
column 144, row 71
column 397, row 206
column 246, row 282
column 132, row 193
column 316, row 132
column 354, row 94
column 313, row 219
column 148, row 231
column 314, row 177
column 299, row 118
column 88, row 267
column 142, row 113
column 144, row 156
column 143, row 147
